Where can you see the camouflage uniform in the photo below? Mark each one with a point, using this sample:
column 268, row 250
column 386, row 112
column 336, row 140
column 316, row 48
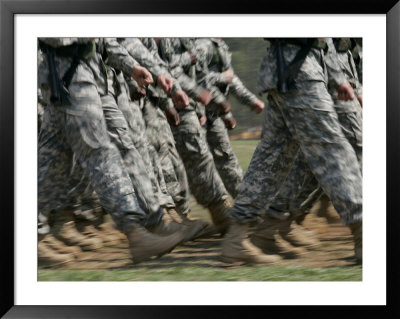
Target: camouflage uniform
column 216, row 58
column 304, row 120
column 137, row 133
column 299, row 188
column 204, row 181
column 157, row 130
column 79, row 128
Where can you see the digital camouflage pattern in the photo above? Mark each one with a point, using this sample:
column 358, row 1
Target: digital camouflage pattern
column 216, row 58
column 300, row 182
column 204, row 181
column 80, row 129
column 137, row 133
column 294, row 121
column 160, row 137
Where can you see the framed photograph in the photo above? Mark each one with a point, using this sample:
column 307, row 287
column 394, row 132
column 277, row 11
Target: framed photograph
column 206, row 288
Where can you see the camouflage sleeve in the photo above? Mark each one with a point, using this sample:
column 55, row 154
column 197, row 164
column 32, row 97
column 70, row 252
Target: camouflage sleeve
column 118, row 57
column 241, row 92
column 190, row 86
column 174, row 58
column 335, row 74
column 355, row 80
column 204, row 53
column 60, row 42
column 151, row 46
column 140, row 53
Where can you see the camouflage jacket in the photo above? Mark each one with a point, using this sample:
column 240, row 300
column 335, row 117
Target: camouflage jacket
column 317, row 67
column 216, row 58
column 140, row 52
column 347, row 65
column 118, row 57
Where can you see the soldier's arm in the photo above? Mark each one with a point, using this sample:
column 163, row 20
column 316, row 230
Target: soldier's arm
column 118, row 57
column 242, row 93
column 335, row 73
column 336, row 78
column 140, row 53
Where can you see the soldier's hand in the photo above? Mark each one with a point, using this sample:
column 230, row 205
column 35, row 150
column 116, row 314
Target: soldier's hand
column 205, row 97
column 224, row 107
column 345, row 92
column 258, row 106
column 142, row 76
column 181, row 100
column 203, row 120
column 360, row 99
column 230, row 123
column 172, row 116
column 165, row 83
column 193, row 57
column 228, row 74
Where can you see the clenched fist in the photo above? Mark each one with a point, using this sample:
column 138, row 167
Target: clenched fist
column 142, row 76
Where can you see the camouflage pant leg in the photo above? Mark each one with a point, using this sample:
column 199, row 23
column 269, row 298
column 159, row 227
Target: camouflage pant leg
column 86, row 137
column 299, row 182
column 268, row 168
column 133, row 162
column 327, row 152
column 351, row 123
column 299, row 188
column 137, row 132
column 204, row 181
column 160, row 137
column 330, row 156
column 225, row 159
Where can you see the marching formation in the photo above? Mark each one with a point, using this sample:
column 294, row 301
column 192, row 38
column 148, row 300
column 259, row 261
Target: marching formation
column 131, row 127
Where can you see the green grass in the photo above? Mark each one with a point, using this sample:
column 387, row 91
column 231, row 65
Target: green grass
column 193, row 273
column 244, row 151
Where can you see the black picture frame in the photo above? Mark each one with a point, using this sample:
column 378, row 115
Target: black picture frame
column 8, row 9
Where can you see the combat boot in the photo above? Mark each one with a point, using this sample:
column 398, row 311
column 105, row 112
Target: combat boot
column 295, row 235
column 266, row 237
column 185, row 220
column 144, row 244
column 64, row 229
column 59, row 246
column 168, row 226
column 49, row 257
column 237, row 248
column 356, row 230
column 220, row 215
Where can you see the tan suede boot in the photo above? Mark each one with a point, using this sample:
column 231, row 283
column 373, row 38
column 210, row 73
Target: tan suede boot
column 185, row 220
column 220, row 215
column 64, row 229
column 266, row 237
column 59, row 246
column 356, row 230
column 295, row 235
column 144, row 244
column 168, row 226
column 237, row 248
column 49, row 257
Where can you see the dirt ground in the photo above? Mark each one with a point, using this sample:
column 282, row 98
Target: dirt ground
column 335, row 250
